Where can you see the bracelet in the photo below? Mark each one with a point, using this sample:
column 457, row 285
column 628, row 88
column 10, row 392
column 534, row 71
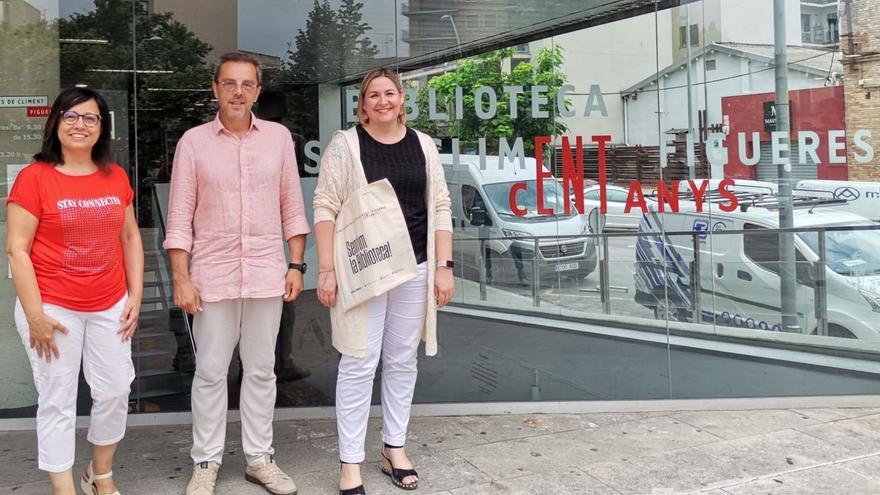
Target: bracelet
column 326, row 271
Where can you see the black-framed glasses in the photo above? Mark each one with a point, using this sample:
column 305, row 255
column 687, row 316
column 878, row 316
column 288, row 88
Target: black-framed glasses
column 89, row 119
column 229, row 86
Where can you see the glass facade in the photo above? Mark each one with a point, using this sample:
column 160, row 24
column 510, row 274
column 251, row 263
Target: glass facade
column 633, row 217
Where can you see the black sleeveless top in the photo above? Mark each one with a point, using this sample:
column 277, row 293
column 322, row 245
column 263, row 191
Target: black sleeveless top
column 403, row 164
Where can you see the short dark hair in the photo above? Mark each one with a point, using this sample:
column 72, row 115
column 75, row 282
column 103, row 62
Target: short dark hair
column 237, row 57
column 50, row 152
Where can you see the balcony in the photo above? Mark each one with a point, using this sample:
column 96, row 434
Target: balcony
column 408, row 12
column 821, row 35
column 445, row 39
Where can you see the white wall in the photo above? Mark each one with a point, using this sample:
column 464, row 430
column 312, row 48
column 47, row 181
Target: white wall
column 614, row 56
column 739, row 21
column 751, row 21
column 733, row 76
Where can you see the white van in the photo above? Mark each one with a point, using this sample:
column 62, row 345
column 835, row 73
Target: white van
column 741, row 186
column 481, row 209
column 862, row 198
column 741, row 270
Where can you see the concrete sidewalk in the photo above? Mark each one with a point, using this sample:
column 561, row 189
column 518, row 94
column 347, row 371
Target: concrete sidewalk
column 784, row 451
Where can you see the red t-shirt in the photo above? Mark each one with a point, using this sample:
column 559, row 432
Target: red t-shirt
column 77, row 251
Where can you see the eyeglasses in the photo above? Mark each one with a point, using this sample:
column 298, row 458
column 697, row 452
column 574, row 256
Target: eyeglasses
column 89, row 119
column 229, row 86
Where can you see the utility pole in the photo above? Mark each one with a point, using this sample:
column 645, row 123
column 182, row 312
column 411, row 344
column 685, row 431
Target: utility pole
column 690, row 104
column 787, row 273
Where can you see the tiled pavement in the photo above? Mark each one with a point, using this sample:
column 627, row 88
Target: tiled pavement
column 784, row 451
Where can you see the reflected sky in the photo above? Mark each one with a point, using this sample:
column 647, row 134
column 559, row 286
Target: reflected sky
column 267, row 26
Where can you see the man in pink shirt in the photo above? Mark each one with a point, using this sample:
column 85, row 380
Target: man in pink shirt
column 235, row 197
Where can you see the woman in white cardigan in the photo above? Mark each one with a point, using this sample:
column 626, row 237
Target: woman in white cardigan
column 389, row 326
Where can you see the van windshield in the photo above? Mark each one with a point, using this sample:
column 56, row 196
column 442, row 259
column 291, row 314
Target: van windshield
column 849, row 252
column 499, row 195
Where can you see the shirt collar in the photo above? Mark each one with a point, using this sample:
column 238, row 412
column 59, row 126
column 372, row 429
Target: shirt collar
column 218, row 125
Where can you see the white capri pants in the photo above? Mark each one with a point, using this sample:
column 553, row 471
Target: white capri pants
column 92, row 339
column 395, row 326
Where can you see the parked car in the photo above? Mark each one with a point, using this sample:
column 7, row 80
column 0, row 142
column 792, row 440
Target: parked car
column 616, row 217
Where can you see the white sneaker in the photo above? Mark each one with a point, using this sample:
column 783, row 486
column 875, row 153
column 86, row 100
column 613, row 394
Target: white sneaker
column 271, row 477
column 203, row 479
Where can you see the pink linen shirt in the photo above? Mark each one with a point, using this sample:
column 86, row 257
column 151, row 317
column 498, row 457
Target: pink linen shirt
column 232, row 199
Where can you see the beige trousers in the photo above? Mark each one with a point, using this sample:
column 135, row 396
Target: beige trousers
column 252, row 324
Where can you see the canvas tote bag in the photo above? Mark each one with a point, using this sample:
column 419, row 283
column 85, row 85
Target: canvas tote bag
column 372, row 249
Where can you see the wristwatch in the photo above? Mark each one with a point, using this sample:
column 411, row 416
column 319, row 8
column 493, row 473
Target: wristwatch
column 446, row 264
column 297, row 266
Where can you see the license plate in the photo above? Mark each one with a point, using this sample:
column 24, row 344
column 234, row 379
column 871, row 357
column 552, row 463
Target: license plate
column 564, row 267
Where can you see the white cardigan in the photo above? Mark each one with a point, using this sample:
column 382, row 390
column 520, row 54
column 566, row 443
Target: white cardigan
column 341, row 174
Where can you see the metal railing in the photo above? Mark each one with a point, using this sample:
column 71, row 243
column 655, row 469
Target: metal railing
column 698, row 244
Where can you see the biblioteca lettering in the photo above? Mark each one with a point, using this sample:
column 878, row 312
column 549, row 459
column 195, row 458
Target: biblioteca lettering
column 813, row 148
column 361, row 256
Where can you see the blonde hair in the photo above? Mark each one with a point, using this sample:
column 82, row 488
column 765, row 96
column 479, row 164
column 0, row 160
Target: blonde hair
column 365, row 84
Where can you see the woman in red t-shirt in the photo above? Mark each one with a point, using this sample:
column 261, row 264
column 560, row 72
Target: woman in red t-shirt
column 78, row 267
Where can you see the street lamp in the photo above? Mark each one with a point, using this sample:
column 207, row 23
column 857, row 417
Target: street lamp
column 454, row 29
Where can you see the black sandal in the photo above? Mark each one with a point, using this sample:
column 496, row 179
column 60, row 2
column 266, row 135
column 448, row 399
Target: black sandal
column 358, row 490
column 398, row 475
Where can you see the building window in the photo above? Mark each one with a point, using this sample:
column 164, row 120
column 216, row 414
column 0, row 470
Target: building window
column 710, row 64
column 833, row 30
column 489, row 21
column 806, row 35
column 695, row 36
column 762, row 247
column 472, row 21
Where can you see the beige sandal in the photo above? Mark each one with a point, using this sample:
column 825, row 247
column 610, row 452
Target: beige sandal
column 87, row 483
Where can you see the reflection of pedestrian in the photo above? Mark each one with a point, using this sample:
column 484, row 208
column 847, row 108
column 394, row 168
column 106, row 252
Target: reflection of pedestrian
column 272, row 106
column 516, row 255
column 388, row 326
column 473, row 201
column 78, row 267
column 234, row 192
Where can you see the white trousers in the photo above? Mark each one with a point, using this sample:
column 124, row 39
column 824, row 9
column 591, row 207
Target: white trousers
column 396, row 319
column 93, row 340
column 252, row 325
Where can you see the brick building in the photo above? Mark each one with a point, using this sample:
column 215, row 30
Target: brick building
column 860, row 42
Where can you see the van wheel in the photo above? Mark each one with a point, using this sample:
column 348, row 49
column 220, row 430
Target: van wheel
column 837, row 331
